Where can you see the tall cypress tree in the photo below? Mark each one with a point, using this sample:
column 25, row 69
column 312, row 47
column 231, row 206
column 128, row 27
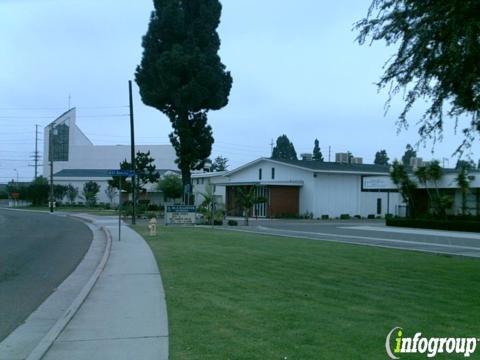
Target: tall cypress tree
column 317, row 153
column 181, row 75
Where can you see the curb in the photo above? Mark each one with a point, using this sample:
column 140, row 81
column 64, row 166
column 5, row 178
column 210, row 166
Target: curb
column 47, row 341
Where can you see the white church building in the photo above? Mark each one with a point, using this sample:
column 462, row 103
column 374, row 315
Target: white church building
column 76, row 160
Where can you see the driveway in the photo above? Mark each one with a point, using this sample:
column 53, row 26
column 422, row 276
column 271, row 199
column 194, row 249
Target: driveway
column 374, row 233
column 37, row 252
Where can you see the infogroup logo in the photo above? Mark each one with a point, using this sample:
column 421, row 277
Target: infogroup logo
column 397, row 344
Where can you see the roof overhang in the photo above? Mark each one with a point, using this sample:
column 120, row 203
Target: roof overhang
column 262, row 183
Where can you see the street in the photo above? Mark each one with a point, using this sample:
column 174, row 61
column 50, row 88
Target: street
column 37, row 252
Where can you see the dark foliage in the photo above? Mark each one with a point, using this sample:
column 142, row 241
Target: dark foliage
column 437, row 57
column 182, row 75
column 284, row 149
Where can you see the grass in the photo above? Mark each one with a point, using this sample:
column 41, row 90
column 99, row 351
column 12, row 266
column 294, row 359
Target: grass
column 234, row 295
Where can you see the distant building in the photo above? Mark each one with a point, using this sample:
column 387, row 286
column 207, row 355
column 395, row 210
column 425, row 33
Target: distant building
column 76, row 160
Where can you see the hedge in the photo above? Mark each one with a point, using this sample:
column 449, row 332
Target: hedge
column 452, row 225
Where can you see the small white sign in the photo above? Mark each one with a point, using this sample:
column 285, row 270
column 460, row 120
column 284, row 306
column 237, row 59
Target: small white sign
column 378, row 183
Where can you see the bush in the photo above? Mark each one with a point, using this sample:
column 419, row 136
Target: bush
column 232, row 223
column 357, row 217
column 344, row 216
column 452, row 225
column 218, row 222
column 388, row 216
column 307, row 215
column 371, row 216
column 153, row 207
column 325, row 217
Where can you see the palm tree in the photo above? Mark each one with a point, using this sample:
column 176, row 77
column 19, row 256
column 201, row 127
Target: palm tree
column 405, row 185
column 435, row 174
column 248, row 198
column 209, row 202
column 464, row 185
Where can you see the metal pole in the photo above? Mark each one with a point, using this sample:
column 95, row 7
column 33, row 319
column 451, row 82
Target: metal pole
column 50, row 151
column 36, row 151
column 120, row 210
column 132, row 144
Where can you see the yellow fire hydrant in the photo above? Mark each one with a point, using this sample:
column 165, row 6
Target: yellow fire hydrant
column 152, row 226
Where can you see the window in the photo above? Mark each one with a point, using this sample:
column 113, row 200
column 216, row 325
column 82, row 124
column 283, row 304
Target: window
column 202, row 180
column 214, row 188
column 198, row 181
column 59, row 142
column 273, row 173
column 379, row 206
column 259, row 174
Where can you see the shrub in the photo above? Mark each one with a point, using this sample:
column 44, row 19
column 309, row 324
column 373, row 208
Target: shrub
column 232, row 223
column 344, row 216
column 357, row 217
column 153, row 207
column 325, row 217
column 388, row 216
column 307, row 215
column 371, row 216
column 218, row 222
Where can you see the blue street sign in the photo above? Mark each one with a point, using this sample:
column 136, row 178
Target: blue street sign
column 126, row 173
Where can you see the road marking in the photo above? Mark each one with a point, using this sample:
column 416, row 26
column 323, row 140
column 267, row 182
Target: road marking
column 385, row 246
column 424, row 232
column 376, row 239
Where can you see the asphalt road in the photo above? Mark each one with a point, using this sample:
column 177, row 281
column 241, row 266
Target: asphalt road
column 37, row 252
column 374, row 233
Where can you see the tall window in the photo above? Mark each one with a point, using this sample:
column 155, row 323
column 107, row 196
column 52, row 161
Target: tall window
column 59, row 142
column 273, row 173
column 259, row 174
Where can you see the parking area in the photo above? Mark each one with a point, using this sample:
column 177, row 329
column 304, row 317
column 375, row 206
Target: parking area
column 373, row 233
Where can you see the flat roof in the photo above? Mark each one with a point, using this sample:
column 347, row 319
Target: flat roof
column 96, row 173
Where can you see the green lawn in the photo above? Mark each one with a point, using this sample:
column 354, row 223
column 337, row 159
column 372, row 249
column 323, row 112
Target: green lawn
column 241, row 296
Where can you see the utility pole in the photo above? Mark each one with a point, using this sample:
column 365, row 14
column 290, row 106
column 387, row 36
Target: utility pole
column 50, row 152
column 271, row 147
column 36, row 151
column 132, row 145
column 36, row 155
column 329, row 152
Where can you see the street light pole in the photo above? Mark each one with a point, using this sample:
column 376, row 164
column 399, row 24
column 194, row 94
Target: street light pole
column 132, row 150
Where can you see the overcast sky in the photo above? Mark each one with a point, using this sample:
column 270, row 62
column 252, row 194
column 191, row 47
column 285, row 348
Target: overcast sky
column 296, row 67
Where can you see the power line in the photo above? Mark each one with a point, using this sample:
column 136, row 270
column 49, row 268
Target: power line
column 50, row 117
column 62, row 108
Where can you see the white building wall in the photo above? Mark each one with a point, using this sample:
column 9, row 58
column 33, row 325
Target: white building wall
column 283, row 173
column 336, row 194
column 200, row 184
column 84, row 155
column 80, row 182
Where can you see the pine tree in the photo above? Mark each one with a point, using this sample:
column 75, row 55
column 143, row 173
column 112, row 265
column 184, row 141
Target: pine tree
column 409, row 154
column 284, row 150
column 381, row 158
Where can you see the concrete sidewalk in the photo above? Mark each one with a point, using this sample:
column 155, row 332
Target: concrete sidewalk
column 125, row 316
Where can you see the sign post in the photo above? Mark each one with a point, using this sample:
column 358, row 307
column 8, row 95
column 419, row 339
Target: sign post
column 120, row 174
